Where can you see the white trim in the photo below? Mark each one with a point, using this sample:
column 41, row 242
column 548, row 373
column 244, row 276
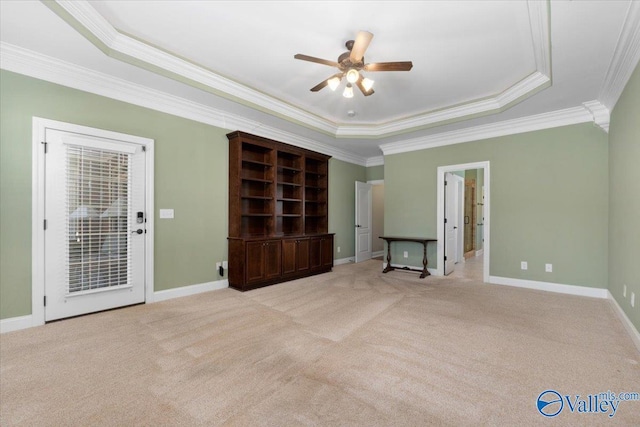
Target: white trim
column 569, row 116
column 39, row 127
column 184, row 291
column 376, row 182
column 625, row 58
column 479, row 252
column 343, row 261
column 375, row 161
column 16, row 323
column 33, row 64
column 377, row 254
column 121, row 46
column 440, row 214
column 628, row 326
column 550, row 287
column 118, row 43
column 400, row 267
column 601, row 115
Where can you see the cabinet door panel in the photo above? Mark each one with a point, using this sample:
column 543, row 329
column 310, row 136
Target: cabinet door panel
column 327, row 252
column 289, row 256
column 302, row 253
column 255, row 261
column 272, row 259
column 315, row 260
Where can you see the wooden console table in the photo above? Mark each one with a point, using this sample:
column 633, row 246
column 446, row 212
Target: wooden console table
column 421, row 240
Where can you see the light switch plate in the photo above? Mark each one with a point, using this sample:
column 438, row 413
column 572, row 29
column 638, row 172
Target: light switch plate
column 548, row 268
column 523, row 265
column 406, row 254
column 166, row 213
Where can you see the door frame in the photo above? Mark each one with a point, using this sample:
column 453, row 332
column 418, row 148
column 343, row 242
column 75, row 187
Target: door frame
column 39, row 128
column 440, row 214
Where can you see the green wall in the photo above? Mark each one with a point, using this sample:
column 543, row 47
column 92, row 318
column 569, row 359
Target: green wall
column 191, row 176
column 342, row 205
column 549, row 202
column 375, row 173
column 624, row 198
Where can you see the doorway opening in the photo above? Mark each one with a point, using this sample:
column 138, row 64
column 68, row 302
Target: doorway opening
column 479, row 241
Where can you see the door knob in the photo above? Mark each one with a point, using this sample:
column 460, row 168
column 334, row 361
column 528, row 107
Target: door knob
column 138, row 231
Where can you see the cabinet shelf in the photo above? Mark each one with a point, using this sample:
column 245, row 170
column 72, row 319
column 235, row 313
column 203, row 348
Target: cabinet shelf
column 289, row 200
column 290, row 184
column 288, row 168
column 265, row 181
column 256, row 162
column 264, row 215
column 290, row 215
column 257, row 197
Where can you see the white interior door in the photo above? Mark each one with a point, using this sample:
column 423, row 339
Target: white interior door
column 459, row 218
column 95, row 224
column 450, row 218
column 363, row 221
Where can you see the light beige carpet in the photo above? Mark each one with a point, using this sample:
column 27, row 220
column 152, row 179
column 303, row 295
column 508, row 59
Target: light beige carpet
column 351, row 347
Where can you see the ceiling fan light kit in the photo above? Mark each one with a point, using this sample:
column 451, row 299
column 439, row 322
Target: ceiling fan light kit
column 351, row 64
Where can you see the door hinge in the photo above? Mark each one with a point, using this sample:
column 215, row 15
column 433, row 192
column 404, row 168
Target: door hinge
column 445, row 183
column 445, row 220
column 45, row 146
column 45, row 300
column 445, row 257
column 144, row 148
column 45, row 224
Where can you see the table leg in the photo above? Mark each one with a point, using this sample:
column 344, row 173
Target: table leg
column 388, row 268
column 425, row 272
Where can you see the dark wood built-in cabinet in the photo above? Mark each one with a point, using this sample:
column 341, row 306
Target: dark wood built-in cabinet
column 278, row 212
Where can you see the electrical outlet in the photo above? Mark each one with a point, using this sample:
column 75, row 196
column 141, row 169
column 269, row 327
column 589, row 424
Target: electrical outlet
column 624, row 291
column 633, row 299
column 406, row 254
column 218, row 265
column 338, row 249
column 225, row 264
column 523, row 265
column 548, row 268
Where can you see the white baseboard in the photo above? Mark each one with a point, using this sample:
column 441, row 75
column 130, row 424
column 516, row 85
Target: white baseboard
column 16, row 323
column 479, row 252
column 184, row 291
column 631, row 329
column 377, row 253
column 550, row 287
column 432, row 271
column 343, row 261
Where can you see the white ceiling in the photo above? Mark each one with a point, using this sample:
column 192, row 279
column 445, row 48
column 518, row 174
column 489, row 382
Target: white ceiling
column 475, row 62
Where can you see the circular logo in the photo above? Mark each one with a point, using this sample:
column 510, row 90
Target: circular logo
column 550, row 403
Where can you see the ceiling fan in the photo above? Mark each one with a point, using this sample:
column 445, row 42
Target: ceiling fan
column 351, row 64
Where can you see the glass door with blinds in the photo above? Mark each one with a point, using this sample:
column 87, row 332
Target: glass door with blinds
column 95, row 229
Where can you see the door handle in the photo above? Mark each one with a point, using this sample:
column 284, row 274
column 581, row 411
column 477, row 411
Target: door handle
column 138, row 231
column 357, row 226
column 455, row 228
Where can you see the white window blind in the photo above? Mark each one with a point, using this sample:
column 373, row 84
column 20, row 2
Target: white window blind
column 98, row 219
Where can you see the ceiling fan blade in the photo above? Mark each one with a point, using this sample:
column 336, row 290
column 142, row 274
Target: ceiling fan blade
column 324, row 83
column 362, row 89
column 360, row 46
column 389, row 66
column 316, row 60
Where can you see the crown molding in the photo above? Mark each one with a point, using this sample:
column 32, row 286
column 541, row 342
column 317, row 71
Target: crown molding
column 552, row 119
column 526, row 87
column 375, row 161
column 139, row 53
column 82, row 16
column 625, row 58
column 600, row 113
column 36, row 65
column 539, row 13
